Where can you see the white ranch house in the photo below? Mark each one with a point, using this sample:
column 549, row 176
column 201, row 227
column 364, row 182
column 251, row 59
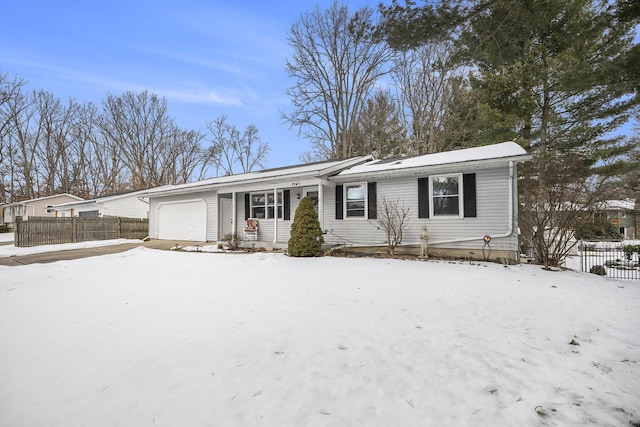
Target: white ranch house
column 129, row 205
column 460, row 196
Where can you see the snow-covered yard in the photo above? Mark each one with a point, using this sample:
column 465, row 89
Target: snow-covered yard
column 11, row 250
column 162, row 338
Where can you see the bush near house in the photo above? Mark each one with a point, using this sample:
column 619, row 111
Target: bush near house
column 306, row 234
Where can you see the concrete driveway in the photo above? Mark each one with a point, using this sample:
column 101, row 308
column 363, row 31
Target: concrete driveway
column 47, row 257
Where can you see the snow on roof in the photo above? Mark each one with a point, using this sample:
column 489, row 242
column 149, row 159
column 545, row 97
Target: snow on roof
column 311, row 169
column 623, row 205
column 116, row 196
column 488, row 152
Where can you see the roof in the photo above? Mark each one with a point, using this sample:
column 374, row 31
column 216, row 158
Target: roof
column 318, row 169
column 505, row 151
column 620, row 205
column 136, row 193
column 24, row 202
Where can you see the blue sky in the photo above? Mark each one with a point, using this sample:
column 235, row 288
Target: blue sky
column 207, row 58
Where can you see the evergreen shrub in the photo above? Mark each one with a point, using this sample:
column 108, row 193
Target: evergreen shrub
column 306, row 235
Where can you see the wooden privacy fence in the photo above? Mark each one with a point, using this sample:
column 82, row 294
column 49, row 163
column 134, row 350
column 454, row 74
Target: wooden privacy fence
column 47, row 231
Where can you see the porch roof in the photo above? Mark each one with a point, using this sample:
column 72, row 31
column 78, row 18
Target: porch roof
column 311, row 170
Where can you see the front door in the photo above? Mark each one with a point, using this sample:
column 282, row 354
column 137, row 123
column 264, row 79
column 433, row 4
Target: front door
column 226, row 217
column 313, row 195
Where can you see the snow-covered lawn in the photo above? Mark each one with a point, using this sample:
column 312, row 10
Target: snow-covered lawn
column 12, row 250
column 149, row 337
column 6, row 237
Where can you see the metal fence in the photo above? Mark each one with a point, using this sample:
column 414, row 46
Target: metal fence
column 47, row 231
column 609, row 259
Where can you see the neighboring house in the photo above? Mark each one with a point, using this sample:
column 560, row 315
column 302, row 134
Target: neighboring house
column 622, row 214
column 460, row 196
column 129, row 205
column 42, row 206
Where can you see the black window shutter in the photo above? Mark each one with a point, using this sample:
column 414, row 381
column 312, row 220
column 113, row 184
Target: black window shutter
column 469, row 191
column 339, row 202
column 287, row 204
column 372, row 197
column 247, row 206
column 423, row 197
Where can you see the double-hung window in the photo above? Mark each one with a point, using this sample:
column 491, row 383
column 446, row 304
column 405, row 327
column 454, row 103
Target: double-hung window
column 446, row 195
column 265, row 206
column 355, row 200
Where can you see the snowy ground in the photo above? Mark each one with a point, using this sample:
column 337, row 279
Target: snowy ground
column 12, row 250
column 149, row 337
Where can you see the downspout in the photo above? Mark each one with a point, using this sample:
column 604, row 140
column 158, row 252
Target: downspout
column 511, row 211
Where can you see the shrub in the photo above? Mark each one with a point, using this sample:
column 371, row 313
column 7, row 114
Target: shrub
column 597, row 230
column 306, row 234
column 599, row 270
column 233, row 241
column 393, row 218
column 629, row 250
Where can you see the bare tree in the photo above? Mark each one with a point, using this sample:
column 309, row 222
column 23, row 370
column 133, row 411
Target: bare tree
column 23, row 140
column 188, row 160
column 393, row 219
column 379, row 129
column 429, row 89
column 52, row 150
column 10, row 90
column 251, row 151
column 229, row 147
column 335, row 64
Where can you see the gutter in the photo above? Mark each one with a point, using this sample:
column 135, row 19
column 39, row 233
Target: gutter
column 426, row 169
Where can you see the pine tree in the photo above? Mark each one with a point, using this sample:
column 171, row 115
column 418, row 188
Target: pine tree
column 562, row 76
column 306, row 234
column 547, row 64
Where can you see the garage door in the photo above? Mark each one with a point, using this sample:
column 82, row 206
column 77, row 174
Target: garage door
column 183, row 221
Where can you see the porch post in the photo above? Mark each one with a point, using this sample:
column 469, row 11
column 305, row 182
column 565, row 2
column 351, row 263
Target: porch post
column 321, row 205
column 275, row 214
column 233, row 213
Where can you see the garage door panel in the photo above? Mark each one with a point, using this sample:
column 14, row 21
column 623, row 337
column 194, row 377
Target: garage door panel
column 183, row 221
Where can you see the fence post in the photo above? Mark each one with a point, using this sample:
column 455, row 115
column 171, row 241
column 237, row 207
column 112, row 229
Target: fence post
column 17, row 231
column 74, row 229
column 581, row 249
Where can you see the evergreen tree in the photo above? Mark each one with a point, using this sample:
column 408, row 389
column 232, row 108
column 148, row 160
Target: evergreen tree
column 306, row 234
column 559, row 74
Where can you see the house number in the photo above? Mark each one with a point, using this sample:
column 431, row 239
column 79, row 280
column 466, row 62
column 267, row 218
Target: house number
column 295, row 184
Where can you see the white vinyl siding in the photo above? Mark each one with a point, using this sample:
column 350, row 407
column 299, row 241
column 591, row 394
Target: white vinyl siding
column 492, row 204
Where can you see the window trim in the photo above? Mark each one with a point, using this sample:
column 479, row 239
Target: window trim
column 265, row 194
column 460, row 214
column 365, row 214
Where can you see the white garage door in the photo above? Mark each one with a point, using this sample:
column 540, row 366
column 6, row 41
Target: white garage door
column 183, row 221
